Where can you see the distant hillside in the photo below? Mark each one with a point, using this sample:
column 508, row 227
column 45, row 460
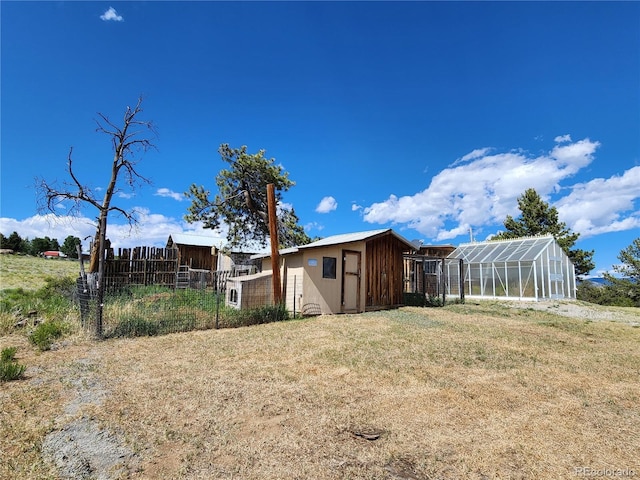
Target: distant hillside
column 600, row 281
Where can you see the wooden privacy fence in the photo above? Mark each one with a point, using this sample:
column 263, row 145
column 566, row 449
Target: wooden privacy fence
column 141, row 266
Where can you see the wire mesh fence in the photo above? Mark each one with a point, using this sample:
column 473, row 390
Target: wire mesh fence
column 431, row 281
column 137, row 310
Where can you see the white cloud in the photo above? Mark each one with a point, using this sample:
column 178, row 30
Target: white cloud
column 152, row 229
column 484, row 190
column 603, row 205
column 313, row 226
column 477, row 153
column 111, row 15
column 575, row 155
column 166, row 192
column 50, row 225
column 355, row 207
column 326, row 205
column 562, row 138
column 126, row 195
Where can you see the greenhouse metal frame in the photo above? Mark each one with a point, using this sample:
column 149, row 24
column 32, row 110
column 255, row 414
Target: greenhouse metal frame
column 530, row 268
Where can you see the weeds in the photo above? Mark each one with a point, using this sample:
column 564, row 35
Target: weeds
column 151, row 311
column 46, row 333
column 232, row 317
column 53, row 301
column 9, row 368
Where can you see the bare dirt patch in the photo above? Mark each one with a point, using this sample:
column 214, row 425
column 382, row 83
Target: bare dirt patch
column 79, row 446
column 584, row 311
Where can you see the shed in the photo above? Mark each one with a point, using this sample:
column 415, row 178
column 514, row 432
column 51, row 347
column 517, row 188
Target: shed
column 198, row 252
column 348, row 273
column 529, row 268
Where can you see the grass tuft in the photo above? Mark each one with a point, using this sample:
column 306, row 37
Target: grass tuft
column 9, row 368
column 46, row 333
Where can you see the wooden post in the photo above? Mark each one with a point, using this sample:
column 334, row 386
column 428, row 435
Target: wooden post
column 461, row 270
column 101, row 286
column 442, row 282
column 273, row 236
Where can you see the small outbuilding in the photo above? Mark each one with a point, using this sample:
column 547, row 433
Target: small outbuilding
column 348, row 273
column 53, row 254
column 530, row 268
column 197, row 252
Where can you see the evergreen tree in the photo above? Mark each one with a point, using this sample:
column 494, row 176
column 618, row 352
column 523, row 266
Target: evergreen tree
column 13, row 242
column 538, row 218
column 39, row 245
column 628, row 285
column 69, row 246
column 241, row 201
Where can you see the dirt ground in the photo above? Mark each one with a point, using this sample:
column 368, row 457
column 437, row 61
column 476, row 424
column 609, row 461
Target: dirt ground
column 582, row 310
column 474, row 392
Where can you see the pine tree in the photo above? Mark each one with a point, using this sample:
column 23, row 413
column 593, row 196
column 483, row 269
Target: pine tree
column 538, row 218
column 241, row 201
column 628, row 285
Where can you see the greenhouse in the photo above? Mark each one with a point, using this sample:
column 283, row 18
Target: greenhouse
column 531, row 268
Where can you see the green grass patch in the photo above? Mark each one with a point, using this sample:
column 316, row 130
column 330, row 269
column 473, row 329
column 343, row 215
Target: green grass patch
column 46, row 333
column 53, row 301
column 151, row 311
column 9, row 368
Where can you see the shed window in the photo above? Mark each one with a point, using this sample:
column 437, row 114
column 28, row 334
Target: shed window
column 329, row 267
column 233, row 296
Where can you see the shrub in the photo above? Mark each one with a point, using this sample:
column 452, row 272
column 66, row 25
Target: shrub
column 602, row 294
column 45, row 333
column 8, row 354
column 53, row 301
column 254, row 316
column 9, row 368
column 412, row 299
column 135, row 327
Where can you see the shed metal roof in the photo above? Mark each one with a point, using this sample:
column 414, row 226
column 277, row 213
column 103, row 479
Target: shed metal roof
column 341, row 239
column 518, row 249
column 196, row 240
column 355, row 237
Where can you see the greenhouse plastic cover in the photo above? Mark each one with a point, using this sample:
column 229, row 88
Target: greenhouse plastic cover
column 519, row 249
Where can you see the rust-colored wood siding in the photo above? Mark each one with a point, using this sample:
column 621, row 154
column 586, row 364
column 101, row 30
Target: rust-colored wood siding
column 197, row 257
column 384, row 272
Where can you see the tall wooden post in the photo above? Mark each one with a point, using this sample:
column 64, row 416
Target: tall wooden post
column 273, row 236
column 101, row 251
column 461, row 270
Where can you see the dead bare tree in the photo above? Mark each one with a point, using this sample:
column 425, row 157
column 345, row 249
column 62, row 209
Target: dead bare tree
column 128, row 141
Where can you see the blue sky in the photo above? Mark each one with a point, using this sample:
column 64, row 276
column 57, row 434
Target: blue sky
column 427, row 117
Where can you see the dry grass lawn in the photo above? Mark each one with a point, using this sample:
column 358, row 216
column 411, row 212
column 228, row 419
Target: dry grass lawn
column 476, row 391
column 23, row 271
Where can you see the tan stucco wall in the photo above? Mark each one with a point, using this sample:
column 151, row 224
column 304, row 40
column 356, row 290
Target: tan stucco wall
column 312, row 290
column 292, row 282
column 323, row 292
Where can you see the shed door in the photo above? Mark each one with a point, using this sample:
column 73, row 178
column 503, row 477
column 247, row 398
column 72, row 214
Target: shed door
column 350, row 281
